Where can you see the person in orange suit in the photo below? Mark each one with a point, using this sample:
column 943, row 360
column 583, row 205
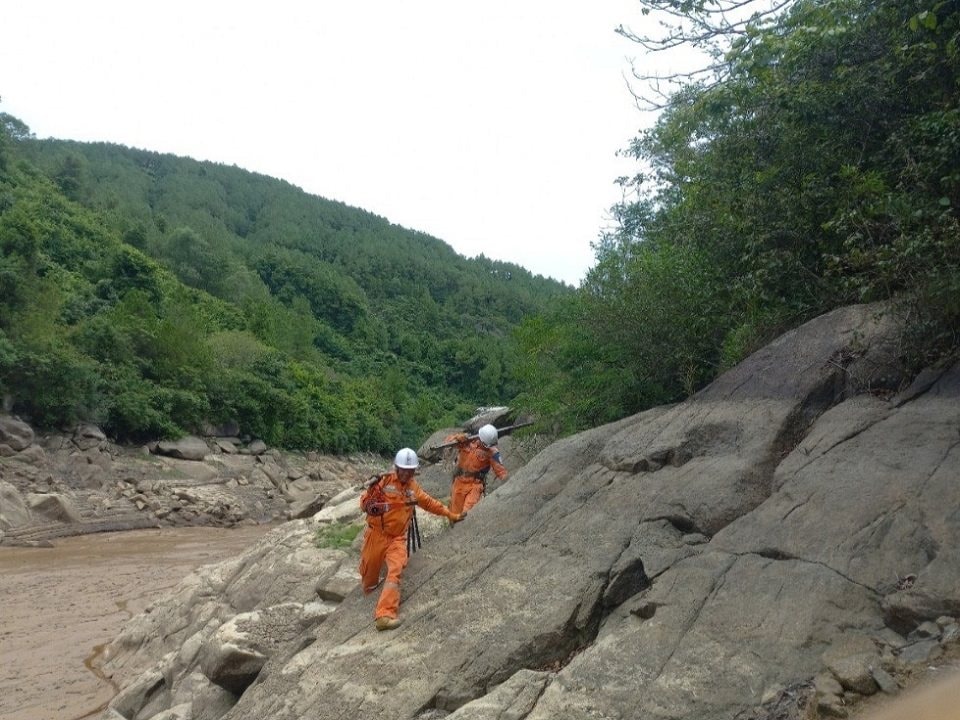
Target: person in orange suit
column 389, row 503
column 475, row 458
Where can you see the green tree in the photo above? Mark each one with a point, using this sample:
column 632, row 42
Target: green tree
column 70, row 176
column 795, row 175
column 11, row 130
column 192, row 292
column 19, row 256
column 193, row 260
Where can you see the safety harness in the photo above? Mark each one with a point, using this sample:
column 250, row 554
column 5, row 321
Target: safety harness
column 377, row 504
column 479, row 475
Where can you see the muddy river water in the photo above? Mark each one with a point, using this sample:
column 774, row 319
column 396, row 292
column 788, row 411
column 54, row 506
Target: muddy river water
column 59, row 606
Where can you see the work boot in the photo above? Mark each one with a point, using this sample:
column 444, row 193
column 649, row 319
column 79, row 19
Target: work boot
column 388, row 623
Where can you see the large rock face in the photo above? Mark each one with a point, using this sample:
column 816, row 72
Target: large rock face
column 792, row 521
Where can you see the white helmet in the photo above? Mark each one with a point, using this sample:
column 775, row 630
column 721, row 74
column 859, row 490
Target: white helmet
column 406, row 459
column 488, row 435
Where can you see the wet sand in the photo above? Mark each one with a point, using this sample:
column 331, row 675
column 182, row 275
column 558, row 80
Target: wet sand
column 59, row 606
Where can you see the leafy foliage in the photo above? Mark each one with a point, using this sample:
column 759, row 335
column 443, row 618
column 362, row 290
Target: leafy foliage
column 156, row 295
column 817, row 166
column 336, row 536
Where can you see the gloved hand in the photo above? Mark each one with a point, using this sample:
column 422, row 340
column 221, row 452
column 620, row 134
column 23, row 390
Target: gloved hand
column 457, row 517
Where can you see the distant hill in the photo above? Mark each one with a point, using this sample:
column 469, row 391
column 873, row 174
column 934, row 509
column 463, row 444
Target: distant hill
column 155, row 294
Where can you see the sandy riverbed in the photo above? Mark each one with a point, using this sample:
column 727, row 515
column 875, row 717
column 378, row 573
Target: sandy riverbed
column 60, row 605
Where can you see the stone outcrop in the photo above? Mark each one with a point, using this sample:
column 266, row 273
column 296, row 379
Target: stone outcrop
column 76, row 483
column 210, row 638
column 779, row 545
column 186, row 448
column 14, row 435
column 13, row 508
column 233, row 657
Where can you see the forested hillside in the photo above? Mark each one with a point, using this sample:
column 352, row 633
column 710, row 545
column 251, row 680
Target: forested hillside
column 815, row 163
column 154, row 294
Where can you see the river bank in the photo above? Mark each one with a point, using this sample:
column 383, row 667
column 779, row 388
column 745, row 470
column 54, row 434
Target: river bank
column 62, row 604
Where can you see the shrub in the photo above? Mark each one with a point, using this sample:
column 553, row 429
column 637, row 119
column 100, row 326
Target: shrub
column 336, row 535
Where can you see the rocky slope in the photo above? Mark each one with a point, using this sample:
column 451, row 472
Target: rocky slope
column 75, row 483
column 785, row 541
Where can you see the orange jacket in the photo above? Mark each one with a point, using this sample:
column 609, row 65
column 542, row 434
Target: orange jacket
column 474, row 459
column 392, row 502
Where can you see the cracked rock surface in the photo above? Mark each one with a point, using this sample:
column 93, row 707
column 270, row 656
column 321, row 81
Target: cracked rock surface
column 695, row 561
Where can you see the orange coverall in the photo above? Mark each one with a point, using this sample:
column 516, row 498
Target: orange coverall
column 385, row 539
column 474, row 461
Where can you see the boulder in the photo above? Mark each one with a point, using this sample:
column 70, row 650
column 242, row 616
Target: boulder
column 851, row 658
column 53, row 506
column 15, row 434
column 884, row 680
column 238, row 650
column 186, row 448
column 921, row 651
column 343, row 508
column 33, row 455
column 13, row 509
column 308, row 506
column 87, row 436
column 257, row 447
column 232, row 658
column 498, row 416
column 226, row 445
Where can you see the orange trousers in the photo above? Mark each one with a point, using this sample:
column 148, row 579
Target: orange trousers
column 380, row 548
column 466, row 493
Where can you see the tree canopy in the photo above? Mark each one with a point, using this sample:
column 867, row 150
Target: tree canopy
column 156, row 295
column 815, row 164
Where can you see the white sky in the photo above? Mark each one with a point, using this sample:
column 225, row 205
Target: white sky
column 492, row 126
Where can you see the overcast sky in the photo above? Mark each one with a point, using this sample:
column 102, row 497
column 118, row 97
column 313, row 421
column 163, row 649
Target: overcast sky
column 493, row 126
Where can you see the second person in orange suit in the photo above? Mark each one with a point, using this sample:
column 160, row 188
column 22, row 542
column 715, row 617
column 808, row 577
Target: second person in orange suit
column 475, row 458
column 389, row 503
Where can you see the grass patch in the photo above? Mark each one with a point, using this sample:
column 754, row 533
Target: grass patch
column 336, row 536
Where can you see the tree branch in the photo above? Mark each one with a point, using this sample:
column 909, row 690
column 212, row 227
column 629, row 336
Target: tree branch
column 710, row 26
